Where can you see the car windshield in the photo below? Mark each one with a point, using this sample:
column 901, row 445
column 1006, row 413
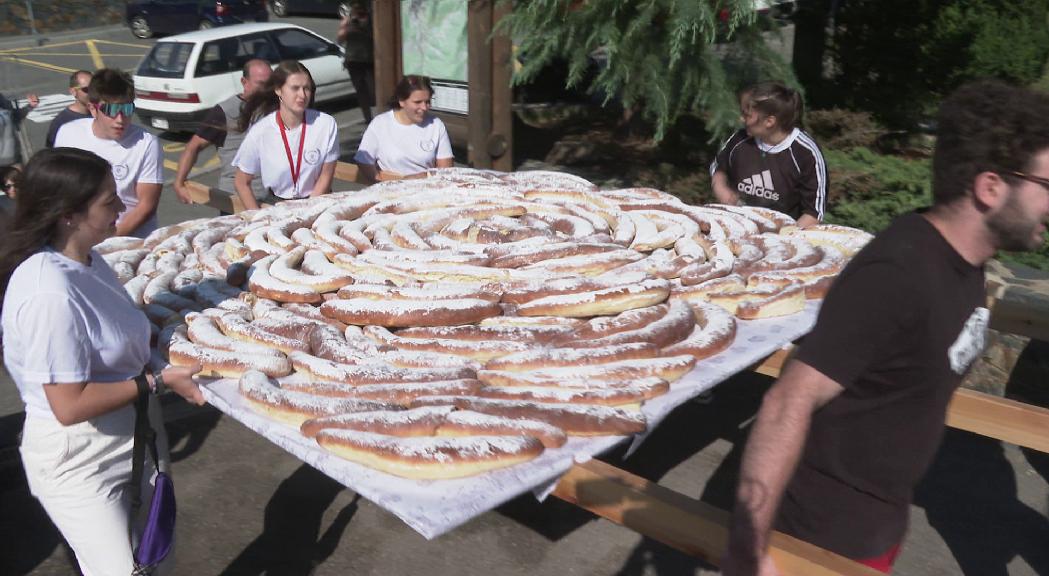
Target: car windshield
column 166, row 60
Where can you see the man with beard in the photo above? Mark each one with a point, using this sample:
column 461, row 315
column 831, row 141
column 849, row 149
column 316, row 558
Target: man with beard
column 857, row 415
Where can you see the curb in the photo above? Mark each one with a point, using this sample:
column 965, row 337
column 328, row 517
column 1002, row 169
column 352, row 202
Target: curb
column 44, row 38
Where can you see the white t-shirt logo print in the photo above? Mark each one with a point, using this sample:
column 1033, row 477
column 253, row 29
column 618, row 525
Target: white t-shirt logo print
column 427, row 145
column 312, row 156
column 120, row 171
column 970, row 342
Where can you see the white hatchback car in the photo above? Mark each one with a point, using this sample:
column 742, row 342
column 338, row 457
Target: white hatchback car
column 185, row 75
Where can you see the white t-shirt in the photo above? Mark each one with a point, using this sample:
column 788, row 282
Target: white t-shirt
column 136, row 158
column 404, row 148
column 263, row 153
column 64, row 322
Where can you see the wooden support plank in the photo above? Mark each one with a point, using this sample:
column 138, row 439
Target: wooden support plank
column 217, row 199
column 1016, row 316
column 500, row 140
column 686, row 524
column 479, row 71
column 348, row 172
column 386, row 29
column 1000, row 418
column 992, row 416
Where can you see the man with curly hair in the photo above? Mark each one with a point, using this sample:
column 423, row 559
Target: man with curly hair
column 844, row 436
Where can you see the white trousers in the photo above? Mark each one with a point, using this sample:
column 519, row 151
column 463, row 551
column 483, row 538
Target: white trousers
column 81, row 473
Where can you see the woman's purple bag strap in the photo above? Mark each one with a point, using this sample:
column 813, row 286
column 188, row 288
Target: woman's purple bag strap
column 158, row 533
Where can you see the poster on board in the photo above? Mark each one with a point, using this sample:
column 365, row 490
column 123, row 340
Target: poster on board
column 433, row 43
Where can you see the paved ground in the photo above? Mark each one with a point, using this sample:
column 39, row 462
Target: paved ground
column 248, row 508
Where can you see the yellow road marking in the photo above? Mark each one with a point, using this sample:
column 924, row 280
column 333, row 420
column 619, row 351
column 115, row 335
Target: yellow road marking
column 56, row 45
column 174, row 147
column 171, row 165
column 213, row 162
column 37, row 64
column 96, row 58
column 107, row 54
column 115, row 43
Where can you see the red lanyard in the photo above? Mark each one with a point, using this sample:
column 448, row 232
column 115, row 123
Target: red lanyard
column 296, row 168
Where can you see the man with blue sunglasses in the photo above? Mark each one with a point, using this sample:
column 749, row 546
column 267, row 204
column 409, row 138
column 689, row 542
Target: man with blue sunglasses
column 134, row 153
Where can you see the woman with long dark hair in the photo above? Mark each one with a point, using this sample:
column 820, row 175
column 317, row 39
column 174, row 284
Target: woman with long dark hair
column 407, row 139
column 77, row 347
column 291, row 146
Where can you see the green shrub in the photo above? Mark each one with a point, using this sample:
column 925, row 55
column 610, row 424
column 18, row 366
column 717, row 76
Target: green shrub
column 843, row 129
column 898, row 58
column 867, row 190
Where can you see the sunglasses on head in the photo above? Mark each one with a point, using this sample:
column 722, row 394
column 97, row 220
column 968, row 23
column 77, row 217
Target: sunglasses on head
column 113, row 110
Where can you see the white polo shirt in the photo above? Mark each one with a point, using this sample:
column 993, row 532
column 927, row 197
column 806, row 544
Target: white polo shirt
column 404, row 148
column 262, row 154
column 135, row 158
column 64, row 322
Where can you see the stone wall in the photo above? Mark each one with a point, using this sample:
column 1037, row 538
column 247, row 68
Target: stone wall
column 58, row 15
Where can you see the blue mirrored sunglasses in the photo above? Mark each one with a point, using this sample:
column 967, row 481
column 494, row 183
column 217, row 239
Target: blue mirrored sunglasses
column 112, row 110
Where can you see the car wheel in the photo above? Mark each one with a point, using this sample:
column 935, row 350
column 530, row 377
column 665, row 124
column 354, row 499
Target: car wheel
column 279, row 8
column 206, row 25
column 140, row 28
column 344, row 9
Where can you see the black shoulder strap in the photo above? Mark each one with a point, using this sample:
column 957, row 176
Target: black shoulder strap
column 144, row 435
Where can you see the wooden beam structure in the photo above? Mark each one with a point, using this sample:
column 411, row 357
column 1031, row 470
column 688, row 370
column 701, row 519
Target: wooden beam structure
column 684, row 523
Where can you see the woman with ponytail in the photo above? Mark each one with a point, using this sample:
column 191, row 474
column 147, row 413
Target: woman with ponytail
column 772, row 162
column 77, row 346
column 291, row 146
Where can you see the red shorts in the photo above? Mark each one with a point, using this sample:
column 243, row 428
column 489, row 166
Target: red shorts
column 884, row 562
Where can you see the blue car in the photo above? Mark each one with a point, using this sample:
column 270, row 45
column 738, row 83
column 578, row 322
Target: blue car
column 149, row 17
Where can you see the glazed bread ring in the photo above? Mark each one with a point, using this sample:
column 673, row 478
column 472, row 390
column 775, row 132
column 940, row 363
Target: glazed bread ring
column 430, row 457
column 551, row 357
column 222, row 363
column 294, row 408
column 714, row 332
column 669, row 368
column 599, row 302
column 402, row 313
column 574, row 420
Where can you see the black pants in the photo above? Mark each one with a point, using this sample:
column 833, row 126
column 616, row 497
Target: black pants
column 362, row 74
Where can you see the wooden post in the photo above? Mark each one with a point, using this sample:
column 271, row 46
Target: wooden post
column 500, row 141
column 386, row 28
column 479, row 76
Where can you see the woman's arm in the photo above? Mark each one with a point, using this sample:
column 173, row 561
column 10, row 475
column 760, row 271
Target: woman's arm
column 445, row 162
column 323, row 184
column 242, row 182
column 79, row 402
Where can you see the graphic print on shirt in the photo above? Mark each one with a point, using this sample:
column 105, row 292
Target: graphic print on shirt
column 970, row 341
column 313, row 156
column 759, row 185
column 120, row 171
column 428, row 145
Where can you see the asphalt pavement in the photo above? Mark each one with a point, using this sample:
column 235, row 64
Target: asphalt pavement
column 246, row 507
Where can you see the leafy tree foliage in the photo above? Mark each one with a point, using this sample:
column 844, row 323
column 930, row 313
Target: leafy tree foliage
column 663, row 58
column 898, row 58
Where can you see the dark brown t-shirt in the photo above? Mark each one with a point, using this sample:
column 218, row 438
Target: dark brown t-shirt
column 898, row 330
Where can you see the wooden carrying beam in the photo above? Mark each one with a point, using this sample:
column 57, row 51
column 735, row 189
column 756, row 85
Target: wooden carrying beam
column 684, row 523
column 999, row 418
